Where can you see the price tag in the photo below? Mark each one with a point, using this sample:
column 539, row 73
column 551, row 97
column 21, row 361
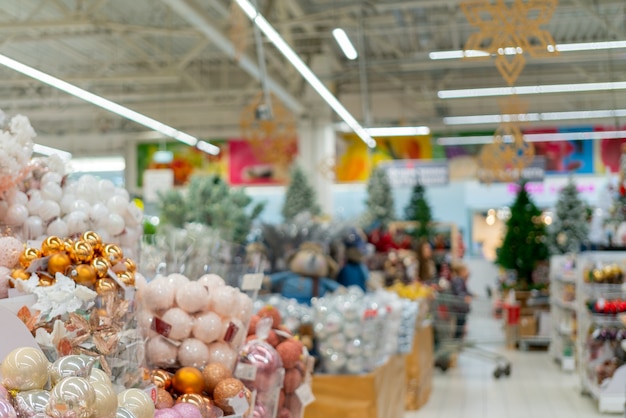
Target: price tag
column 239, row 403
column 152, row 392
column 40, row 264
column 252, row 281
column 305, row 394
column 245, row 371
column 161, row 327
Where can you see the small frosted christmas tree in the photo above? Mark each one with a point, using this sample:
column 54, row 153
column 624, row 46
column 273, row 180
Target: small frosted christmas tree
column 524, row 244
column 380, row 205
column 569, row 229
column 419, row 210
column 300, row 196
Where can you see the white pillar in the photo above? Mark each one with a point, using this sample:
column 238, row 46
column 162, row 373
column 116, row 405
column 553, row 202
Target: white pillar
column 316, row 144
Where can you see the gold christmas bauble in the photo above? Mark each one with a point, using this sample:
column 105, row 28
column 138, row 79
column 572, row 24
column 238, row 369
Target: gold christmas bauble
column 45, row 281
column 28, row 255
column 213, row 374
column 52, row 245
column 161, row 379
column 68, row 244
column 102, row 266
column 20, row 274
column 82, row 252
column 130, row 265
column 188, row 380
column 194, row 399
column 105, row 286
column 84, row 274
column 112, row 253
column 58, row 263
column 127, row 277
column 94, row 240
column 224, row 391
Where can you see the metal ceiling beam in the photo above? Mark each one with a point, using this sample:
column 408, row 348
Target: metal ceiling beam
column 196, row 18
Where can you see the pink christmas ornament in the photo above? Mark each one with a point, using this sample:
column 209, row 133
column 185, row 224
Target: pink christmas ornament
column 260, row 411
column 194, row 353
column 169, row 413
column 10, row 250
column 161, row 353
column 192, row 297
column 16, row 215
column 178, row 280
column 4, row 393
column 180, row 321
column 5, row 274
column 159, row 294
column 220, row 352
column 267, row 362
column 207, row 327
column 293, row 380
column 6, row 409
column 224, row 300
column 188, row 410
column 211, row 281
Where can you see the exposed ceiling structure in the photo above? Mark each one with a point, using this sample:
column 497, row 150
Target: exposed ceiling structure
column 179, row 61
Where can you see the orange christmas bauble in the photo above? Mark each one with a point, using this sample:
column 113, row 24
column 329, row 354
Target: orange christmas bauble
column 20, row 274
column 84, row 274
column 106, row 285
column 94, row 240
column 188, row 380
column 28, row 255
column 58, row 263
column 82, row 252
column 161, row 379
column 102, row 266
column 112, row 253
column 52, row 245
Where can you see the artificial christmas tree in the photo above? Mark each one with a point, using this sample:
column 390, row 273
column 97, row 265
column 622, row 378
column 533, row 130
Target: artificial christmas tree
column 419, row 210
column 524, row 244
column 380, row 206
column 300, row 196
column 569, row 228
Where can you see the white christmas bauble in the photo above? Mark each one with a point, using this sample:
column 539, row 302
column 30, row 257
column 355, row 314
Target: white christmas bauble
column 211, row 281
column 87, row 188
column 337, row 342
column 18, row 197
column 114, row 224
column 49, row 210
column 120, row 191
column 81, row 205
column 57, row 228
column 177, row 279
column 98, row 211
column 352, row 329
column 133, row 215
column 33, row 227
column 333, row 322
column 320, row 330
column 353, row 348
column 77, row 223
column 16, row 215
column 34, row 201
column 4, row 208
column 335, row 362
column 67, row 202
column 51, row 191
column 106, row 188
column 51, row 177
column 117, row 204
column 355, row 365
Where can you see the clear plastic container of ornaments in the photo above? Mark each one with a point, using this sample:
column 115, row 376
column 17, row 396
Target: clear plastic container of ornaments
column 356, row 332
column 77, row 297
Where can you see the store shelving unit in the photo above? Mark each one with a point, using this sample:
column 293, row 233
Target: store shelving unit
column 563, row 278
column 609, row 393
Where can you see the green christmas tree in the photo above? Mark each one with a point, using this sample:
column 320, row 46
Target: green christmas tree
column 380, row 205
column 419, row 210
column 300, row 196
column 524, row 243
column 569, row 228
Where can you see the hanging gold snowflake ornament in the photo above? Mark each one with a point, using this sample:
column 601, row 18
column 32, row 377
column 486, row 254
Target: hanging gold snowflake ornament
column 509, row 31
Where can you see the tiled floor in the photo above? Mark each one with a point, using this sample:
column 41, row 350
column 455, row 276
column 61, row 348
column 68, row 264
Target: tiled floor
column 535, row 389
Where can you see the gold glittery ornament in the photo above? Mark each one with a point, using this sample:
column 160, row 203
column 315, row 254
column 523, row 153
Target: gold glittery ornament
column 224, row 391
column 213, row 374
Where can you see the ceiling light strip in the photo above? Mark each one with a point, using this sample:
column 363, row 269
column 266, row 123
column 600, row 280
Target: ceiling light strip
column 105, row 103
column 534, row 117
column 575, row 47
column 305, row 71
column 398, row 131
column 564, row 136
column 345, row 44
column 523, row 90
column 49, row 151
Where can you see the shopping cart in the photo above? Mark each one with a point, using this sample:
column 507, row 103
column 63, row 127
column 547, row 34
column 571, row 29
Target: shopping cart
column 449, row 317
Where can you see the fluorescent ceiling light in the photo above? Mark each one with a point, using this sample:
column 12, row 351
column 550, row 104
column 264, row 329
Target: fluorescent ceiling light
column 48, row 151
column 345, row 44
column 98, row 165
column 546, row 89
column 399, row 131
column 587, row 46
column 104, row 103
column 305, row 71
column 534, row 117
column 565, row 136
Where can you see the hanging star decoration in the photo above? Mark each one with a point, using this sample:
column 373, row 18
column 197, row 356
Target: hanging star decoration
column 506, row 157
column 510, row 31
column 274, row 140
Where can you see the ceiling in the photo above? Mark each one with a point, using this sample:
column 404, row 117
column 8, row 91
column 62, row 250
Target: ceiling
column 173, row 60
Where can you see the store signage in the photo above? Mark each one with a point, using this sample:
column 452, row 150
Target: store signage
column 408, row 173
column 535, row 172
